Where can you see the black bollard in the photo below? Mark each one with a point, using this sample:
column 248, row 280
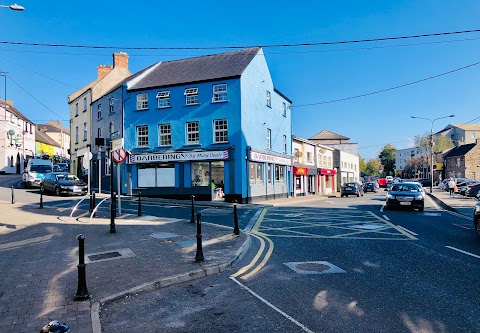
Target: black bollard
column 139, row 203
column 199, row 255
column 90, row 209
column 13, row 197
column 112, row 215
column 115, row 204
column 94, row 204
column 82, row 292
column 192, row 216
column 236, row 231
column 41, row 200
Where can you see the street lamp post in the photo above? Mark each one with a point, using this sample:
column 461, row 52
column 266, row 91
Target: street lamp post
column 14, row 7
column 431, row 144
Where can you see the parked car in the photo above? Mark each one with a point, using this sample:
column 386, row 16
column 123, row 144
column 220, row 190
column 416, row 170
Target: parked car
column 472, row 190
column 63, row 167
column 425, row 182
column 382, row 182
column 476, row 217
column 463, row 186
column 63, row 183
column 36, row 169
column 405, row 195
column 443, row 184
column 352, row 188
column 370, row 187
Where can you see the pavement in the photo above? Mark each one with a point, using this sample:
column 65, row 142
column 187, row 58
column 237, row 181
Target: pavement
column 459, row 203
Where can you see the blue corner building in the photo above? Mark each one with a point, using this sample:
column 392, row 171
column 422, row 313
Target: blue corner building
column 213, row 126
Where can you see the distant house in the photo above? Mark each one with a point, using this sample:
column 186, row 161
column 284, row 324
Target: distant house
column 336, row 141
column 60, row 134
column 195, row 124
column 462, row 162
column 403, row 155
column 461, row 133
column 17, row 143
column 45, row 145
column 81, row 111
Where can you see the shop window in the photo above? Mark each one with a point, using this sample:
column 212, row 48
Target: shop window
column 298, row 183
column 256, row 173
column 200, row 173
column 156, row 175
column 279, row 173
column 269, row 173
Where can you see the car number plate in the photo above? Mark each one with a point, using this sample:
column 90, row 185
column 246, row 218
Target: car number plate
column 405, row 203
column 77, row 190
column 348, row 188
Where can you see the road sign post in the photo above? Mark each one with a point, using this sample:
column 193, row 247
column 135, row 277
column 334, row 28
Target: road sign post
column 119, row 156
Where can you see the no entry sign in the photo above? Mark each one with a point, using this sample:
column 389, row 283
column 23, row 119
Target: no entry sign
column 119, row 155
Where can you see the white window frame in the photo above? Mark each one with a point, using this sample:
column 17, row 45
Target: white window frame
column 164, row 97
column 269, row 99
column 99, row 111
column 219, row 93
column 190, row 132
column 164, row 136
column 220, row 130
column 269, row 138
column 111, row 103
column 284, row 109
column 142, row 101
column 85, row 133
column 191, row 96
column 141, row 136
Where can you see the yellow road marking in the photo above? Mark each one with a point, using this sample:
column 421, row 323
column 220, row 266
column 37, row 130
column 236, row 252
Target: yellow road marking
column 263, row 263
column 433, row 203
column 255, row 259
column 393, row 226
column 259, row 221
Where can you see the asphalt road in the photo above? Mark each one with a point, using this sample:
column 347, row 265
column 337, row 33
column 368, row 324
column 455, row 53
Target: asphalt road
column 337, row 265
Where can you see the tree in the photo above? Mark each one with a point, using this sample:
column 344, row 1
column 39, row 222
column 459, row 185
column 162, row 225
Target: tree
column 387, row 158
column 412, row 165
column 440, row 142
column 372, row 166
column 363, row 166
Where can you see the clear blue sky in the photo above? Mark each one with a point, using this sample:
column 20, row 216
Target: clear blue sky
column 304, row 74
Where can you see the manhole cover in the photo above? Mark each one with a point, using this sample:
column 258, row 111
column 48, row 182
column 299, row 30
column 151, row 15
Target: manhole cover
column 312, row 267
column 102, row 256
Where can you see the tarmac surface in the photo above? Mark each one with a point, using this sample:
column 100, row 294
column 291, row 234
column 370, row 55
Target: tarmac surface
column 39, row 258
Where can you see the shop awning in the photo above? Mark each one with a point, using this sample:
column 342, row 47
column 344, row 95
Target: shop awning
column 327, row 171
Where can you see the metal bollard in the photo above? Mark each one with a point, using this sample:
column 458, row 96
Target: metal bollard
column 192, row 216
column 199, row 255
column 90, row 209
column 112, row 215
column 236, row 230
column 82, row 292
column 139, row 203
column 41, row 200
column 13, row 197
column 94, row 203
column 115, row 204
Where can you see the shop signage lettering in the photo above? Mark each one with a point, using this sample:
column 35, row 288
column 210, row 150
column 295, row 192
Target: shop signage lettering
column 261, row 157
column 183, row 156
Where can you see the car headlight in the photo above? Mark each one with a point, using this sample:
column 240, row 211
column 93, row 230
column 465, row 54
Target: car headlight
column 64, row 187
column 389, row 196
column 419, row 197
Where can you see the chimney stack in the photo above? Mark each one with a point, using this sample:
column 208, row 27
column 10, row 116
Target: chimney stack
column 120, row 59
column 103, row 70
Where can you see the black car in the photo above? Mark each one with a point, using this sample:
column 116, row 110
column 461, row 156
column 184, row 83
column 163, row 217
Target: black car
column 370, row 187
column 63, row 183
column 406, row 195
column 353, row 188
column 472, row 191
column 476, row 218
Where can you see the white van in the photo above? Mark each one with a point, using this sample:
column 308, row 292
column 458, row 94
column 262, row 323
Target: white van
column 36, row 169
column 389, row 179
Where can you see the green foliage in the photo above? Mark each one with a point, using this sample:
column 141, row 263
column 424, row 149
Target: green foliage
column 440, row 142
column 387, row 158
column 363, row 166
column 372, row 167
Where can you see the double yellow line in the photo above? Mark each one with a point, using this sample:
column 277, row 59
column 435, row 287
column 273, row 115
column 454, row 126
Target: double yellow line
column 253, row 268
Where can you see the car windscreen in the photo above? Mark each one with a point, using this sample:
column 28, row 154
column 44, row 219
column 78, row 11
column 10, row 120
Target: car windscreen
column 349, row 185
column 405, row 188
column 41, row 168
column 67, row 177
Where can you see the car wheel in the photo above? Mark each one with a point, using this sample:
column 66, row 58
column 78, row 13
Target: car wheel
column 421, row 209
column 42, row 189
column 358, row 195
column 477, row 226
column 57, row 191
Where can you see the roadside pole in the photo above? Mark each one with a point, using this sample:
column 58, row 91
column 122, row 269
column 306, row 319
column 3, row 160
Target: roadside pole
column 99, row 158
column 119, row 189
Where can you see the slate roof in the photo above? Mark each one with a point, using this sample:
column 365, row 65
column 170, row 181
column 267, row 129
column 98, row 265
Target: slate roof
column 459, row 151
column 53, row 126
column 44, row 138
column 327, row 135
column 198, row 69
column 15, row 112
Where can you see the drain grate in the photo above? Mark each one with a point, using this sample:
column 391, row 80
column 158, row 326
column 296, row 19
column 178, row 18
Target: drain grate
column 103, row 256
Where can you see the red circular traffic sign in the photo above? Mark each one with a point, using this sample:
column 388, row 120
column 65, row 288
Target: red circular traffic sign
column 119, row 155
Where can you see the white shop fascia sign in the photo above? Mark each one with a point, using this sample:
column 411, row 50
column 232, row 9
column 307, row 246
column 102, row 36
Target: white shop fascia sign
column 178, row 157
column 262, row 157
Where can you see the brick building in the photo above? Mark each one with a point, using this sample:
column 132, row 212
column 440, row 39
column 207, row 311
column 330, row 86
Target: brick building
column 462, row 162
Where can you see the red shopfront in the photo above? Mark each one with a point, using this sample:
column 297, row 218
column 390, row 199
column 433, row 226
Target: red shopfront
column 304, row 181
column 326, row 181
